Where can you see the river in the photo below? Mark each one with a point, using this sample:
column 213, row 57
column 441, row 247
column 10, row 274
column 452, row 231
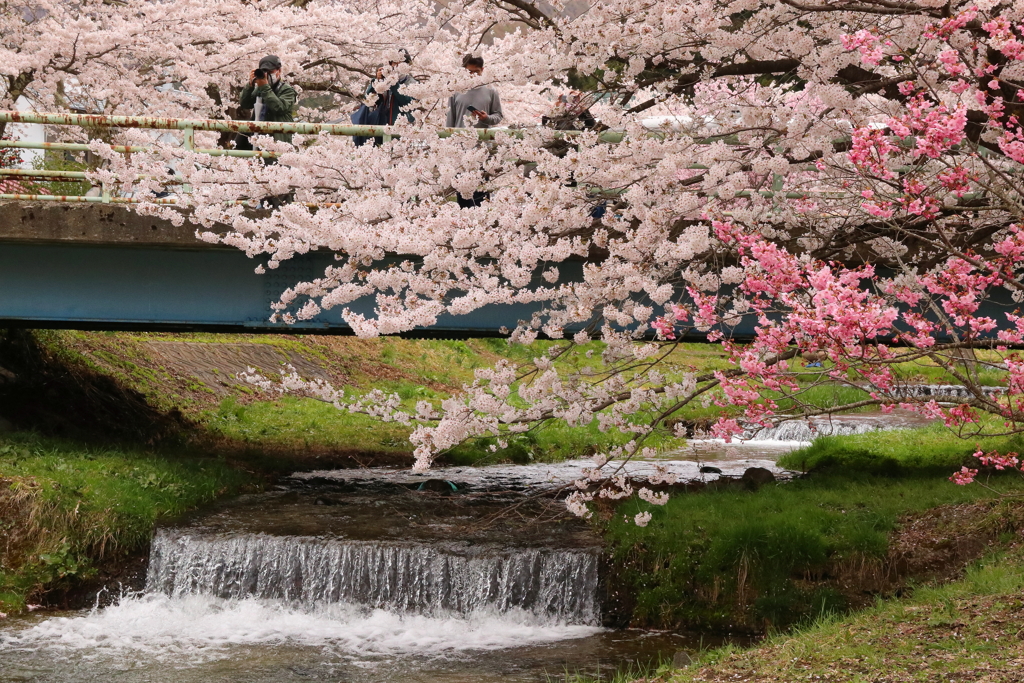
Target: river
column 377, row 575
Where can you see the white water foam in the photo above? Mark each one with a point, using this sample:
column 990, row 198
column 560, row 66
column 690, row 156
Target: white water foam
column 944, row 393
column 196, row 628
column 309, row 572
column 804, row 432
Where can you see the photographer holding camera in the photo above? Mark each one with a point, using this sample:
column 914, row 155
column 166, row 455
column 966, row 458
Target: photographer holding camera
column 270, row 98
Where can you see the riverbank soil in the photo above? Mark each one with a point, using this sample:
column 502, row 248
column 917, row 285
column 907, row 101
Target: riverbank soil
column 968, row 630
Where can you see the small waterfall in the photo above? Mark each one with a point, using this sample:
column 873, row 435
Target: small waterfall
column 552, row 585
column 806, row 430
column 944, row 391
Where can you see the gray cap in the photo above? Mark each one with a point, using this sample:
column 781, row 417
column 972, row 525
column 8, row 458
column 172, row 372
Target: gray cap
column 270, row 63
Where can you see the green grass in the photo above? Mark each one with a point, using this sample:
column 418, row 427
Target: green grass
column 57, row 161
column 551, row 442
column 934, row 449
column 65, row 507
column 823, row 396
column 300, row 423
column 967, row 630
column 734, row 558
column 305, row 423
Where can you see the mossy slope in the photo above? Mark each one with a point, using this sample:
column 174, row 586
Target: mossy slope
column 67, row 508
column 967, row 630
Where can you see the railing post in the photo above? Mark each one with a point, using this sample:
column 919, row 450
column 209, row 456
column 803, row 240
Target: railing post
column 190, row 144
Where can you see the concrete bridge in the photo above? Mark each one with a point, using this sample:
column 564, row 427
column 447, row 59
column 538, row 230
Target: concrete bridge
column 88, row 262
column 103, row 266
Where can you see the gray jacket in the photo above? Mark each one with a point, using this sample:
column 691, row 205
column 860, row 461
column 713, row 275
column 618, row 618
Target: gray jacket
column 483, row 98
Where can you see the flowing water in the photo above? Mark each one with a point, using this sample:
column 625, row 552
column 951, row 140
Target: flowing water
column 555, row 586
column 380, row 575
column 361, row 578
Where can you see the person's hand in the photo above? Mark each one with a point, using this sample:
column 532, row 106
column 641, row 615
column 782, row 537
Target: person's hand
column 260, row 82
column 480, row 115
column 252, row 77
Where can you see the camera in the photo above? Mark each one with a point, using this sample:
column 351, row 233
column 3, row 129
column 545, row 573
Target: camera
column 259, row 73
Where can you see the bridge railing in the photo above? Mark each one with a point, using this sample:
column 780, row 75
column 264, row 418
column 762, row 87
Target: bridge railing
column 189, row 127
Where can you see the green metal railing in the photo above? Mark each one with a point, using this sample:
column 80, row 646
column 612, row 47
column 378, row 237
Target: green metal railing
column 190, row 126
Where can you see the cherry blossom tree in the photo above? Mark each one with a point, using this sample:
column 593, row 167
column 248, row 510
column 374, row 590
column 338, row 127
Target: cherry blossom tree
column 843, row 176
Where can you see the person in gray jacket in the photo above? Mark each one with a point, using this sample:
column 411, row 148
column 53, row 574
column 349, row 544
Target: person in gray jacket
column 481, row 104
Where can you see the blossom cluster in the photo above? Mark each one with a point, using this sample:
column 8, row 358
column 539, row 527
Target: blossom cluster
column 838, row 181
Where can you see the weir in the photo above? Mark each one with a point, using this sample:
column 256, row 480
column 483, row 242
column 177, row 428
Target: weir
column 808, row 430
column 550, row 585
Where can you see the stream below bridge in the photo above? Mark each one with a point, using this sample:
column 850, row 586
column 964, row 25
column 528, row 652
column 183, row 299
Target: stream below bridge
column 457, row 575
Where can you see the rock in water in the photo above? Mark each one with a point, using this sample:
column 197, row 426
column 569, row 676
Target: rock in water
column 681, row 659
column 756, row 477
column 708, row 469
column 437, row 486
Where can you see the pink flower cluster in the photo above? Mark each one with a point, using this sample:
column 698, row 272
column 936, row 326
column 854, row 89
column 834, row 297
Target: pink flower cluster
column 999, row 462
column 867, row 43
column 665, row 325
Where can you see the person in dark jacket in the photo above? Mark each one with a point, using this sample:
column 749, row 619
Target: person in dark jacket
column 269, row 97
column 389, row 105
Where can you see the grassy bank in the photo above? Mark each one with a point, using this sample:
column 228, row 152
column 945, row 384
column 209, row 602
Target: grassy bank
column 193, row 376
column 929, row 450
column 67, row 509
column 967, row 630
column 202, row 389
column 876, row 512
column 725, row 558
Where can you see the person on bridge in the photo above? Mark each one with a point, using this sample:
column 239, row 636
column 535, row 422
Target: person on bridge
column 269, row 97
column 389, row 105
column 480, row 105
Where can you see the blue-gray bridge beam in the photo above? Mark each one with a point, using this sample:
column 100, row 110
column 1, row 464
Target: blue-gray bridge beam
column 96, row 266
column 90, row 266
